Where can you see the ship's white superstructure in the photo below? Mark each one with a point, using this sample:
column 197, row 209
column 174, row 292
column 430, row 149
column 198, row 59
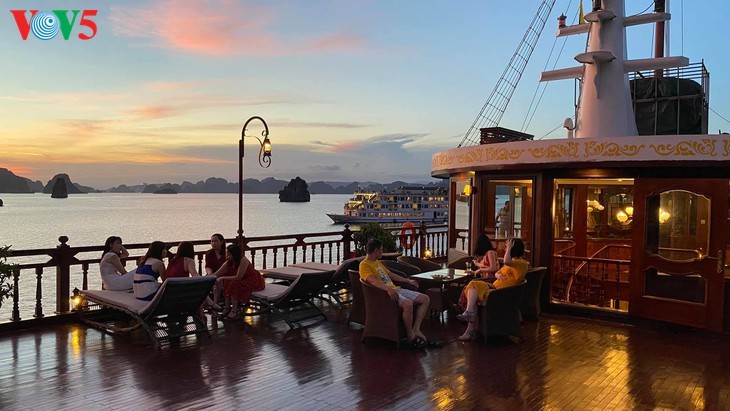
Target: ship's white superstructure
column 428, row 204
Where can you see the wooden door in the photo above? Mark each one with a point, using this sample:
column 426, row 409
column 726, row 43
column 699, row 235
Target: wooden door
column 678, row 257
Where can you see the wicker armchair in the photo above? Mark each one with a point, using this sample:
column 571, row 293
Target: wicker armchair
column 463, row 263
column 500, row 314
column 530, row 306
column 383, row 317
column 423, row 265
column 399, row 267
column 357, row 308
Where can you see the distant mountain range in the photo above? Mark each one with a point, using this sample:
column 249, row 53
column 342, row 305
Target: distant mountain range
column 11, row 183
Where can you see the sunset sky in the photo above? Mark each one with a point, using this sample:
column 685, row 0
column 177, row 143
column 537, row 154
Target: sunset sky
column 351, row 90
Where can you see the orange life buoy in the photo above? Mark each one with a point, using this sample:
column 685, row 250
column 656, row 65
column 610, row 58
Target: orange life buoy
column 408, row 240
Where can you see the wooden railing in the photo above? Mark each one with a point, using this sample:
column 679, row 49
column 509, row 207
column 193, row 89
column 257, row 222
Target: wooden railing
column 428, row 242
column 601, row 282
column 45, row 277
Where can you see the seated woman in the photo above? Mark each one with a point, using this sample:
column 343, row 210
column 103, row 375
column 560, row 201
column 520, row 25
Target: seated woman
column 149, row 269
column 113, row 274
column 216, row 256
column 239, row 278
column 183, row 264
column 485, row 258
column 512, row 273
column 214, row 260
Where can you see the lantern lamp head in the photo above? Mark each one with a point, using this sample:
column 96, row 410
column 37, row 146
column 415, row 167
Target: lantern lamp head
column 77, row 300
column 467, row 190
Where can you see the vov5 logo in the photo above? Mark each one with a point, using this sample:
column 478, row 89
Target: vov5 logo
column 45, row 25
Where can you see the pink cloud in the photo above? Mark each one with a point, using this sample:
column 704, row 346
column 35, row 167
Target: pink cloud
column 218, row 28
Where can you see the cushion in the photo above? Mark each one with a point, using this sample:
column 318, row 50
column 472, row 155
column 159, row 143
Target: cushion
column 271, row 292
column 118, row 299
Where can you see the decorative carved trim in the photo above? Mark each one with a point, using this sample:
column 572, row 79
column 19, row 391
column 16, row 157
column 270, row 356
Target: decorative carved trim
column 726, row 148
column 610, row 149
column 470, row 156
column 504, row 154
column 706, row 146
column 555, row 151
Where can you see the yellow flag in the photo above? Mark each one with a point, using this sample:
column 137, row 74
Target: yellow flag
column 581, row 20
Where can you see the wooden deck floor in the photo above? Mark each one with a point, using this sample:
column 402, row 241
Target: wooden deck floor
column 564, row 363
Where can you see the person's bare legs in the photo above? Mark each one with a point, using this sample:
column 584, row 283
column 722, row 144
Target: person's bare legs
column 407, row 306
column 215, row 294
column 471, row 305
column 423, row 302
column 234, row 308
column 227, row 306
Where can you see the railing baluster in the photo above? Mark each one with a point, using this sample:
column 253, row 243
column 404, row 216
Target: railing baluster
column 16, row 295
column 617, row 301
column 338, row 254
column 314, row 252
column 276, row 253
column 321, row 253
column 253, row 257
column 200, row 264
column 285, row 255
column 263, row 258
column 38, row 293
column 85, row 276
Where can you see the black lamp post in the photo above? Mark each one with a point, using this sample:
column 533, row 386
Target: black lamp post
column 264, row 159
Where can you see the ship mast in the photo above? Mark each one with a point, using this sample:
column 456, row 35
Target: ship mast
column 604, row 107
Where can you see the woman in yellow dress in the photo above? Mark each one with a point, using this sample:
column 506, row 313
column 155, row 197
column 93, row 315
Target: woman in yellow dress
column 512, row 273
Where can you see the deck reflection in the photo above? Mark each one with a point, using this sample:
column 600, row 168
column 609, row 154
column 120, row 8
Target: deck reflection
column 564, row 363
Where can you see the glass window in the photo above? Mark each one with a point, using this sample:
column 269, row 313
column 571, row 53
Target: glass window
column 678, row 225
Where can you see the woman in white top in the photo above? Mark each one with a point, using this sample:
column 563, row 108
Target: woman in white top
column 149, row 269
column 113, row 274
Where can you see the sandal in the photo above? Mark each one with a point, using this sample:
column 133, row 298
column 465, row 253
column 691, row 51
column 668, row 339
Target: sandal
column 434, row 344
column 466, row 316
column 418, row 342
column 468, row 337
column 232, row 315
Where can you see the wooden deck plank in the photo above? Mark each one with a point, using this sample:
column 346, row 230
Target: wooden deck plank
column 563, row 363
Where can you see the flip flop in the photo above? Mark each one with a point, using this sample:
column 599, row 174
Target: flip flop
column 419, row 343
column 434, row 344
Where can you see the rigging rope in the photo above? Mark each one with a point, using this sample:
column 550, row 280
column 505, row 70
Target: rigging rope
column 642, row 12
column 719, row 115
column 544, row 87
column 525, row 124
column 551, row 131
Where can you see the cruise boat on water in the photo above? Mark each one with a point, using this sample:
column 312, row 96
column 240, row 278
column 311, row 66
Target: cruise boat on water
column 411, row 203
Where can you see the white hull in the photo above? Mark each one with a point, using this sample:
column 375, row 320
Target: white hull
column 346, row 219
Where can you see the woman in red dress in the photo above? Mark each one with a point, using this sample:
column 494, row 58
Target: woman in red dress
column 240, row 280
column 183, row 264
column 215, row 258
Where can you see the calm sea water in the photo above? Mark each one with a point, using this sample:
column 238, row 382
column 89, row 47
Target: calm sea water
column 30, row 221
column 37, row 220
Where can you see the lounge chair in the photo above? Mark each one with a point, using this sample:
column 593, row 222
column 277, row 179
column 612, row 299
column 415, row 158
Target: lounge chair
column 170, row 314
column 500, row 314
column 383, row 317
column 338, row 287
column 530, row 307
column 294, row 303
column 423, row 265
